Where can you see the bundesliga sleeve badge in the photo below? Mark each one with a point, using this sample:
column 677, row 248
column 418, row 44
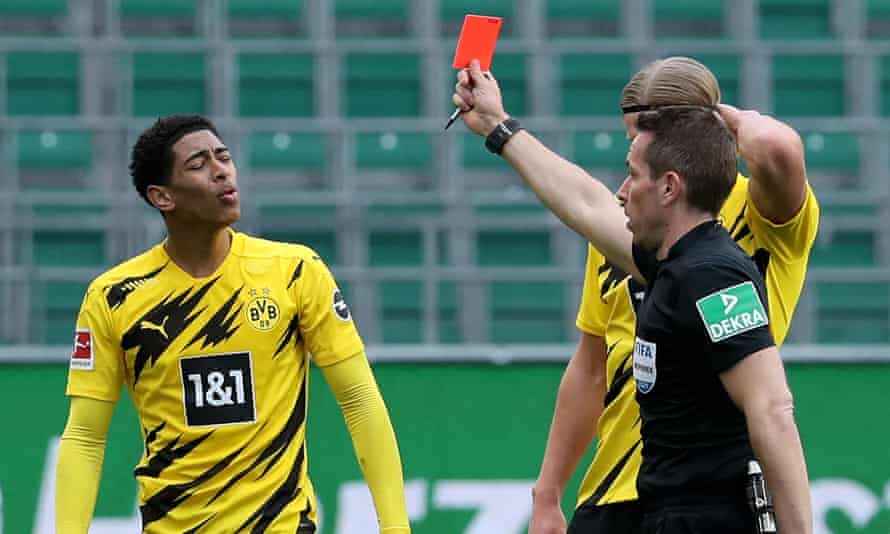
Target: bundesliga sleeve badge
column 82, row 355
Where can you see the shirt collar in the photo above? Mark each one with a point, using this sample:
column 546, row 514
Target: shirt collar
column 690, row 238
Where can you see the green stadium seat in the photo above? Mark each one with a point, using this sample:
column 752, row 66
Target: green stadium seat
column 158, row 17
column 275, row 85
column 601, row 151
column 703, row 19
column 511, row 248
column 885, row 85
column 165, row 83
column 511, row 71
column 56, row 159
column 323, row 242
column 54, row 307
column 68, row 248
column 402, row 151
column 835, row 153
column 33, row 17
column 852, row 312
column 282, row 19
column 371, row 18
column 795, row 19
column 41, row 83
column 382, row 85
column 452, row 13
column 877, row 19
column 591, row 84
column 583, row 18
column 526, row 312
column 808, row 85
column 286, row 152
column 846, row 248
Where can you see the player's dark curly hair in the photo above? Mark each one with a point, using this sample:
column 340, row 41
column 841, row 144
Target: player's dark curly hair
column 151, row 161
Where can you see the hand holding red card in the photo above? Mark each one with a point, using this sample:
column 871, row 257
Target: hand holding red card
column 478, row 37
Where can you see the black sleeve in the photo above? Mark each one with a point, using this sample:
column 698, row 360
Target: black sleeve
column 724, row 308
column 645, row 261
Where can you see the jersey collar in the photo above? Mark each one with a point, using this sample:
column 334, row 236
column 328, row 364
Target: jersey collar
column 690, row 238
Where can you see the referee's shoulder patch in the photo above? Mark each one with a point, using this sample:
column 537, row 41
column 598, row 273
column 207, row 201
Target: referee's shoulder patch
column 732, row 311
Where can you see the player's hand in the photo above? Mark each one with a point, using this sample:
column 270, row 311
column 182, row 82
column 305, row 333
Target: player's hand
column 547, row 519
column 477, row 94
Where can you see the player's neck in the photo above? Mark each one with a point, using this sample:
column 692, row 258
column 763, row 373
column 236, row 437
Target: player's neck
column 679, row 226
column 196, row 251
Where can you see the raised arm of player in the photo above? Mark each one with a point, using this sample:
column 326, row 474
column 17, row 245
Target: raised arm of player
column 774, row 155
column 373, row 438
column 757, row 385
column 579, row 403
column 79, row 465
column 583, row 203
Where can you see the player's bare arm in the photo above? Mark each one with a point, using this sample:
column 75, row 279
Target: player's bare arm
column 757, row 385
column 579, row 403
column 580, row 201
column 774, row 154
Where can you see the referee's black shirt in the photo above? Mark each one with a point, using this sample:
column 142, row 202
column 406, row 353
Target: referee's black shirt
column 704, row 311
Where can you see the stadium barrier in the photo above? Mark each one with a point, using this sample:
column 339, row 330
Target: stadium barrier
column 471, row 423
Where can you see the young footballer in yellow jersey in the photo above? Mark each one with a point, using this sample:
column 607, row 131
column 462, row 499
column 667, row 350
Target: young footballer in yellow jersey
column 773, row 217
column 211, row 333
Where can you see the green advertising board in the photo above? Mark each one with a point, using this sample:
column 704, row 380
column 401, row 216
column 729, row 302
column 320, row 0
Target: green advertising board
column 471, row 436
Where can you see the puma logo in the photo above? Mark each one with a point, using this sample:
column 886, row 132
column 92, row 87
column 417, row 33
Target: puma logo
column 146, row 325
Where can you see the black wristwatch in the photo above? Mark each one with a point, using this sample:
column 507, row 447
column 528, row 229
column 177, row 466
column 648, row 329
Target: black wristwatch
column 501, row 134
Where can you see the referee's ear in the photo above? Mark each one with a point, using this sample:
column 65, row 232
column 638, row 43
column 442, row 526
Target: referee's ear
column 672, row 188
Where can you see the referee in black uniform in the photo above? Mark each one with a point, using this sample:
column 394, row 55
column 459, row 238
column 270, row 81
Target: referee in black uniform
column 710, row 380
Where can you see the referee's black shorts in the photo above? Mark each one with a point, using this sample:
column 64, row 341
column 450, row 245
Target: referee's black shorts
column 698, row 516
column 622, row 517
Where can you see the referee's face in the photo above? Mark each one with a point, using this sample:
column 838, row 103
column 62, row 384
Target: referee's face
column 639, row 196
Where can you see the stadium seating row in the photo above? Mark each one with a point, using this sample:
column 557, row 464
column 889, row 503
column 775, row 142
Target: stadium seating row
column 777, row 19
column 381, row 84
column 854, row 312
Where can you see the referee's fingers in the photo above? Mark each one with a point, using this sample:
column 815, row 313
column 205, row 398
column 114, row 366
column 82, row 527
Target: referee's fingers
column 460, row 102
column 464, row 93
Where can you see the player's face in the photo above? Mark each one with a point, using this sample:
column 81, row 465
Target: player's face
column 204, row 181
column 639, row 194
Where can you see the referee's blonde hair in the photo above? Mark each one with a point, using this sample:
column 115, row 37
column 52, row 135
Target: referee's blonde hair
column 676, row 80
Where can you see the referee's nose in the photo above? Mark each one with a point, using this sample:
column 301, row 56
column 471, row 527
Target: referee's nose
column 621, row 195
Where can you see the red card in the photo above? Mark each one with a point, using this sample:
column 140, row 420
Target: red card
column 478, row 37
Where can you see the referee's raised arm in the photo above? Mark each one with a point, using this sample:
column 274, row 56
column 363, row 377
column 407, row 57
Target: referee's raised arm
column 580, row 201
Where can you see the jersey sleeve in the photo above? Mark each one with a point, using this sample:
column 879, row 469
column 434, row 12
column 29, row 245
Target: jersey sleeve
column 325, row 319
column 96, row 368
column 593, row 313
column 791, row 240
column 725, row 313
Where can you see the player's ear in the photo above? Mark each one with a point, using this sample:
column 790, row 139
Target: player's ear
column 160, row 197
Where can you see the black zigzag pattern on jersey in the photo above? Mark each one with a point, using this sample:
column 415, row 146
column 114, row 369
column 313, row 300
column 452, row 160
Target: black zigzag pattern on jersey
column 307, row 525
column 219, row 327
column 118, row 293
column 761, row 259
column 155, row 330
column 622, row 376
column 738, row 230
column 277, row 446
column 152, row 435
column 160, row 504
column 612, row 475
column 200, row 525
column 287, row 492
column 291, row 334
column 614, row 276
column 298, row 272
column 167, row 455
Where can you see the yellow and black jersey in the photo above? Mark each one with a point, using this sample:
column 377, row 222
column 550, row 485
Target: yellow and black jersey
column 217, row 370
column 608, row 309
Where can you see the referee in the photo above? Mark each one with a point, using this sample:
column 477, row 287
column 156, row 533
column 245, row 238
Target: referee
column 710, row 380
